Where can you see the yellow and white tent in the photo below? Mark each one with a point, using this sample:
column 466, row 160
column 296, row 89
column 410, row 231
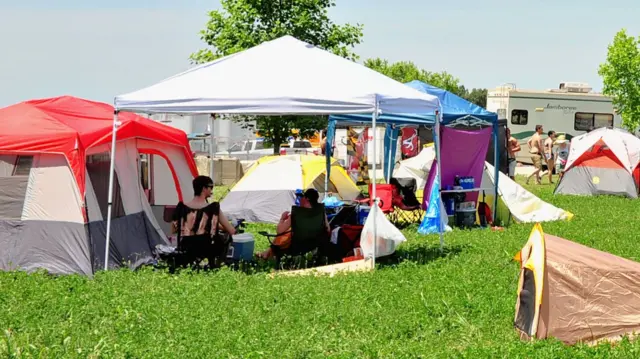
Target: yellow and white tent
column 516, row 203
column 268, row 188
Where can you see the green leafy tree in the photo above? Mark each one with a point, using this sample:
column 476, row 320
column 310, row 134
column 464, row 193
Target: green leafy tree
column 242, row 24
column 405, row 71
column 621, row 77
column 477, row 96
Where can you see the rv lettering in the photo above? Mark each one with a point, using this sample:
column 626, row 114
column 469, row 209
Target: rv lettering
column 565, row 109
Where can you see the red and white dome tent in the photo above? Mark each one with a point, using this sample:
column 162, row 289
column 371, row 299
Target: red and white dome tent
column 603, row 161
column 54, row 176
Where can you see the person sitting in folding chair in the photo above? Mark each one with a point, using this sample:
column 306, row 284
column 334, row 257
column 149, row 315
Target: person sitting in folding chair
column 404, row 199
column 198, row 225
column 282, row 242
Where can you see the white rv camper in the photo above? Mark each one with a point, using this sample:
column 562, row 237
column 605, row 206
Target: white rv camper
column 572, row 109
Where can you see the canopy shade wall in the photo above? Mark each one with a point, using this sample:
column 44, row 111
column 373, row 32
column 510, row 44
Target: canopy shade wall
column 282, row 76
column 285, row 76
column 454, row 108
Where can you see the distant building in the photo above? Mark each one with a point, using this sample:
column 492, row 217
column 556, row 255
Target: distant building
column 225, row 132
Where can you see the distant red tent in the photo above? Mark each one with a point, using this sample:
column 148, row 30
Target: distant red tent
column 70, row 126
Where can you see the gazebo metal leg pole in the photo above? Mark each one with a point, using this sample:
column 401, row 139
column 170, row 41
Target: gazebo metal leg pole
column 211, row 151
column 496, row 168
column 438, row 158
column 112, row 171
column 373, row 188
column 388, row 176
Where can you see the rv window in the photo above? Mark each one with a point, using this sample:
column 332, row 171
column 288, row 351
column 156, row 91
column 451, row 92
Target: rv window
column 584, row 120
column 235, row 147
column 247, row 146
column 259, row 145
column 602, row 120
column 519, row 117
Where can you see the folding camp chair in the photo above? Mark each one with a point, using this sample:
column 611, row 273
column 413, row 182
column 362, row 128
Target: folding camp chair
column 384, row 192
column 190, row 251
column 308, row 234
column 347, row 214
column 407, row 189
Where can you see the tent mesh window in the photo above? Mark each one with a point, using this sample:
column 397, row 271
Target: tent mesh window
column 98, row 170
column 318, row 184
column 527, row 299
column 23, row 166
column 7, row 164
column 14, row 180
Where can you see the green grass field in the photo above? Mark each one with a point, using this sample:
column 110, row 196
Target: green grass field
column 422, row 305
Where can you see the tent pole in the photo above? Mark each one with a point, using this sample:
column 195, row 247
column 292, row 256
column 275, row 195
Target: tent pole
column 327, row 155
column 112, row 171
column 329, row 137
column 211, row 152
column 496, row 169
column 373, row 188
column 388, row 176
column 439, row 168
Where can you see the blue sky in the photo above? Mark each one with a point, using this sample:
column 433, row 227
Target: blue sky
column 98, row 49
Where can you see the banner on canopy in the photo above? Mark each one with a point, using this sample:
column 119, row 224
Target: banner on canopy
column 410, row 145
column 357, row 164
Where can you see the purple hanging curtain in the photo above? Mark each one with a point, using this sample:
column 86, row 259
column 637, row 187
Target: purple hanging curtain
column 463, row 154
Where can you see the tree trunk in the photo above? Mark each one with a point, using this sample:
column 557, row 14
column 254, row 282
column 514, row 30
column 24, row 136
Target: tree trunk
column 276, row 144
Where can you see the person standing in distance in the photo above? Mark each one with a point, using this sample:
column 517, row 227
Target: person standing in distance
column 548, row 153
column 513, row 147
column 535, row 149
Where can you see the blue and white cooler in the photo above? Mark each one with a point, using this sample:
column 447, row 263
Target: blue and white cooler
column 242, row 247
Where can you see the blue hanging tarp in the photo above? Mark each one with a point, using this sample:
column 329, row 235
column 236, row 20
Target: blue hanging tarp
column 328, row 147
column 431, row 223
column 390, row 148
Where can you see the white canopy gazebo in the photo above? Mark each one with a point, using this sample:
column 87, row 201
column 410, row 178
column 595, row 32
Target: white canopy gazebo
column 285, row 76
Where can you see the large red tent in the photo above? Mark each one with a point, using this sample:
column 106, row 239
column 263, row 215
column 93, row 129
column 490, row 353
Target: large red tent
column 54, row 195
column 70, row 126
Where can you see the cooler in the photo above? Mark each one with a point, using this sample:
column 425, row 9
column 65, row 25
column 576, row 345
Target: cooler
column 363, row 213
column 242, row 247
column 467, row 182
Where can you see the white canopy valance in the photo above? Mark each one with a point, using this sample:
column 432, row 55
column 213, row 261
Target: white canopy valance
column 283, row 76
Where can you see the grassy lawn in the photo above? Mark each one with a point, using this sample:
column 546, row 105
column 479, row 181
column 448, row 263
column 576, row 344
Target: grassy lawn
column 421, row 306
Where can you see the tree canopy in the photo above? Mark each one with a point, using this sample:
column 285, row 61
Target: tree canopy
column 242, row 24
column 405, row 71
column 621, row 78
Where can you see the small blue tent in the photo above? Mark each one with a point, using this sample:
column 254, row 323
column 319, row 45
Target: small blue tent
column 453, row 108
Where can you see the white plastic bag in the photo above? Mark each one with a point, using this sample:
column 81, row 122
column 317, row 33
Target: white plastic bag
column 389, row 237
